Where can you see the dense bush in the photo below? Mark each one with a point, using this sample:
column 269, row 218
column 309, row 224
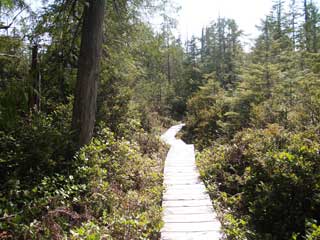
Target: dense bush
column 124, row 196
column 216, row 114
column 260, row 140
column 35, row 175
column 111, row 188
column 266, row 182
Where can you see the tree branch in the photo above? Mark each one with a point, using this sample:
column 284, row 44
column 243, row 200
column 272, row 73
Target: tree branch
column 10, row 216
column 6, row 27
column 8, row 55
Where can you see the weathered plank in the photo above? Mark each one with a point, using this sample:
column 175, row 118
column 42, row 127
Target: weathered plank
column 205, row 217
column 206, row 235
column 191, row 196
column 187, row 210
column 187, row 203
column 191, row 227
column 188, row 213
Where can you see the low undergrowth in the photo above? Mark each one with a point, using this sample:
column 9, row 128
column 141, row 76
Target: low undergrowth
column 111, row 189
column 265, row 183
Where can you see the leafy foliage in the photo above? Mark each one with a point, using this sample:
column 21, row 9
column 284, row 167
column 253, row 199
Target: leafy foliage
column 110, row 189
column 254, row 116
column 260, row 139
column 267, row 178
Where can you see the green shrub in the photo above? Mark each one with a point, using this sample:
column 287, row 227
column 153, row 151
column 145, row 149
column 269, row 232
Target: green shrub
column 109, row 189
column 269, row 177
column 124, row 187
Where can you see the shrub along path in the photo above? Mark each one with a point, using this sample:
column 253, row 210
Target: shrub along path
column 188, row 212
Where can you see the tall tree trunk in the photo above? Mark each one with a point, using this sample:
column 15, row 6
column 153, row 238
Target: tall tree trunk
column 34, row 98
column 62, row 78
column 306, row 25
column 84, row 108
column 267, row 59
column 202, row 45
column 293, row 20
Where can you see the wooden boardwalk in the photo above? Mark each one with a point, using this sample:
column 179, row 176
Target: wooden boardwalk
column 188, row 212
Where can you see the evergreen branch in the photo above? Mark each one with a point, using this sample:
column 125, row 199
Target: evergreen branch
column 6, row 27
column 8, row 55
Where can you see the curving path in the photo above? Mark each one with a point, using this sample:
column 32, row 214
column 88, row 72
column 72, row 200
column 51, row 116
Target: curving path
column 188, row 212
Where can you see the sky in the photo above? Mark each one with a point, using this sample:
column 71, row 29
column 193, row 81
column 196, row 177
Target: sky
column 195, row 14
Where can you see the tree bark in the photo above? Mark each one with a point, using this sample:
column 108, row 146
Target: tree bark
column 34, row 97
column 84, row 108
column 306, row 25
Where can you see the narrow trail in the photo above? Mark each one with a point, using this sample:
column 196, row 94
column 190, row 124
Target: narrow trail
column 188, row 212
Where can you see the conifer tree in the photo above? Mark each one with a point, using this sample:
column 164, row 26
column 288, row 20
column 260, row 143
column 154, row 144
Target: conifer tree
column 84, row 109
